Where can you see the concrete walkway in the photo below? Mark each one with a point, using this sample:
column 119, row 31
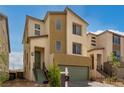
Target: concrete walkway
column 89, row 84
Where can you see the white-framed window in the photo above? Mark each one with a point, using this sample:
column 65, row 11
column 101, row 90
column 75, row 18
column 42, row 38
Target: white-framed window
column 77, row 29
column 58, row 24
column 77, row 48
column 58, row 45
column 37, row 29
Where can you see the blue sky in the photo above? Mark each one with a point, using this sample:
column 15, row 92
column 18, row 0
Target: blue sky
column 98, row 17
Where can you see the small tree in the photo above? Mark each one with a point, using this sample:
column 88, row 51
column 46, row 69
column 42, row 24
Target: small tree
column 3, row 60
column 54, row 76
column 115, row 63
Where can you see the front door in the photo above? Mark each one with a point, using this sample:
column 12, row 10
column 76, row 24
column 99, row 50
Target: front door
column 37, row 59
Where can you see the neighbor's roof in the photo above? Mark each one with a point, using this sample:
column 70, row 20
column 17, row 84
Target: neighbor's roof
column 95, row 49
column 107, row 31
column 6, row 18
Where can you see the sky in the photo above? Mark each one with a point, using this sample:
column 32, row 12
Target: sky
column 99, row 18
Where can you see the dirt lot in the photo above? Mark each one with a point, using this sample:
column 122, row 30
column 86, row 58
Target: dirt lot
column 21, row 83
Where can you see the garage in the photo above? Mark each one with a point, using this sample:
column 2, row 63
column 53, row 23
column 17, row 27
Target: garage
column 77, row 73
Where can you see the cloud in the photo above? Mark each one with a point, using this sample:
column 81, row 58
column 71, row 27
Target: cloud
column 111, row 30
column 16, row 60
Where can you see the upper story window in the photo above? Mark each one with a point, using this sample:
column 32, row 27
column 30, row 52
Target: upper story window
column 93, row 37
column 76, row 29
column 37, row 29
column 93, row 41
column 93, row 44
column 76, row 48
column 116, row 39
column 58, row 46
column 58, row 24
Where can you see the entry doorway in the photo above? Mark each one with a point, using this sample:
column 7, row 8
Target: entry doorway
column 99, row 61
column 37, row 60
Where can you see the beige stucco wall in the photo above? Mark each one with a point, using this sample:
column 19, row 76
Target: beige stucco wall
column 94, row 73
column 35, row 42
column 41, row 43
column 26, row 59
column 122, row 47
column 4, row 44
column 47, row 30
column 75, row 38
column 105, row 41
column 89, row 38
column 57, row 35
column 63, row 59
column 31, row 27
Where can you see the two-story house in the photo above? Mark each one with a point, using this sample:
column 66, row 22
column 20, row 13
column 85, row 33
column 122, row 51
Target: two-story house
column 100, row 48
column 4, row 44
column 60, row 38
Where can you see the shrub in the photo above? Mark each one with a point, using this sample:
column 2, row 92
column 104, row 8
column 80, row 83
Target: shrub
column 54, row 76
column 3, row 77
column 115, row 62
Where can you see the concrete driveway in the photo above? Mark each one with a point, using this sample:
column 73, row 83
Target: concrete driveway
column 88, row 84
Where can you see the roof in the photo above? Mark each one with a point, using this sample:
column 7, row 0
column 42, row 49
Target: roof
column 38, row 36
column 34, row 18
column 91, row 33
column 51, row 12
column 108, row 31
column 95, row 49
column 75, row 14
column 6, row 18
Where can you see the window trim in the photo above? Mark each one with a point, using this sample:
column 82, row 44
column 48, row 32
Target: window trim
column 114, row 41
column 74, row 32
column 93, row 44
column 56, row 46
column 93, row 37
column 93, row 41
column 37, row 30
column 58, row 20
column 76, row 52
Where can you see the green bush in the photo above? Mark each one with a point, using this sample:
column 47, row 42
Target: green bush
column 54, row 76
column 3, row 77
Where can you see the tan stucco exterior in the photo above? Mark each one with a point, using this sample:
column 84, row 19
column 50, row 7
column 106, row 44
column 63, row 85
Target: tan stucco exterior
column 105, row 46
column 4, row 43
column 45, row 42
column 71, row 18
column 57, row 35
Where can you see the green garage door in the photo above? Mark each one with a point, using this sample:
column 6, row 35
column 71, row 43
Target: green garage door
column 77, row 73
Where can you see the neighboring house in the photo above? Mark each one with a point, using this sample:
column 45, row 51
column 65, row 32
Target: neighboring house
column 100, row 47
column 16, row 74
column 60, row 38
column 4, row 44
